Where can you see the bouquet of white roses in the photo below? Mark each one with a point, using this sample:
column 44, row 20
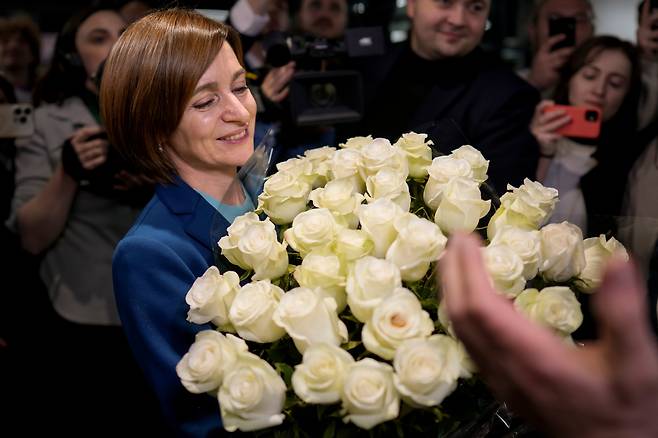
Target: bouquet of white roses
column 337, row 324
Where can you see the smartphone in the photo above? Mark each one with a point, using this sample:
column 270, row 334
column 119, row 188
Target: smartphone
column 653, row 5
column 562, row 25
column 16, row 120
column 585, row 121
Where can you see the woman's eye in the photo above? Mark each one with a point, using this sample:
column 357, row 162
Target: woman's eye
column 204, row 104
column 241, row 90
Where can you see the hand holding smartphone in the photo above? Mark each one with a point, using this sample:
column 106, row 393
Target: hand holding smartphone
column 565, row 26
column 585, row 121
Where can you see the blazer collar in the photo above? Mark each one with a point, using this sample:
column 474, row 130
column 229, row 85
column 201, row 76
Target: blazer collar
column 200, row 220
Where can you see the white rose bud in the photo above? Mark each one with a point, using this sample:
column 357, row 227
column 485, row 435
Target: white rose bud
column 229, row 243
column 345, row 164
column 352, row 245
column 252, row 395
column 319, row 378
column 312, row 230
column 309, row 318
column 211, row 296
column 418, row 152
column 427, row 370
column 461, row 206
column 339, row 198
column 442, row 170
column 526, row 244
column 394, row 320
column 418, row 243
column 252, row 310
column 369, row 396
column 323, row 272
column 262, row 252
column 505, row 268
column 377, row 221
column 211, row 355
column 370, row 281
column 320, row 158
column 380, row 154
column 391, row 184
column 474, row 157
column 556, row 308
column 562, row 251
column 597, row 253
column 284, row 196
column 356, row 142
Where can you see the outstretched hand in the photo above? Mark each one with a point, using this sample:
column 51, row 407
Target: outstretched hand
column 608, row 388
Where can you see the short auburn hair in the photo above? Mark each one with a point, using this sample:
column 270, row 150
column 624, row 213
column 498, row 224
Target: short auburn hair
column 149, row 78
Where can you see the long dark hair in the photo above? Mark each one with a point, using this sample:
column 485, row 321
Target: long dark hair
column 66, row 75
column 618, row 146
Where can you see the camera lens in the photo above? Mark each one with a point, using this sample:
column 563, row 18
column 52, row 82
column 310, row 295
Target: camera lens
column 323, row 94
column 591, row 116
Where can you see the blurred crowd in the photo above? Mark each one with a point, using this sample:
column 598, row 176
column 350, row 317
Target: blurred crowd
column 68, row 196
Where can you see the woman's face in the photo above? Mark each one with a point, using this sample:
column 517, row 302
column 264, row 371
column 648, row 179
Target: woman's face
column 95, row 38
column 216, row 132
column 602, row 83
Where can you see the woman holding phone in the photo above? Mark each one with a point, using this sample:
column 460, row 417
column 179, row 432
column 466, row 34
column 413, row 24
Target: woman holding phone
column 601, row 77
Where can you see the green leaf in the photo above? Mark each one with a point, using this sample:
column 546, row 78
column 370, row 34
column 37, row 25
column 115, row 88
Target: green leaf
column 350, row 345
column 330, row 431
column 285, row 370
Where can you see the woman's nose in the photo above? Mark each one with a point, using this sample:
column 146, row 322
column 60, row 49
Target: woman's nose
column 235, row 111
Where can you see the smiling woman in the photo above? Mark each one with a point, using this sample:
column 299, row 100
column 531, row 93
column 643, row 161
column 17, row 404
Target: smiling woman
column 176, row 104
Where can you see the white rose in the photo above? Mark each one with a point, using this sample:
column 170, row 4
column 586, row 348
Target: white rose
column 352, row 245
column 370, row 281
column 562, row 251
column 461, row 206
column 427, row 370
column 474, row 157
column 556, row 308
column 418, row 243
column 356, row 142
column 394, row 320
column 597, row 253
column 319, row 378
column 284, row 196
column 210, row 298
column 310, row 318
column 505, row 268
column 312, row 230
column 528, row 207
column 252, row 310
column 391, row 184
column 377, row 221
column 325, row 273
column 339, row 197
column 444, row 319
column 345, row 164
column 442, row 170
column 211, row 355
column 380, row 154
column 418, row 152
column 260, row 250
column 229, row 243
column 252, row 395
column 300, row 167
column 369, row 396
column 526, row 244
column 320, row 157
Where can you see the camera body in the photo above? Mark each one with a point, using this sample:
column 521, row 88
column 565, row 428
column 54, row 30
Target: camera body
column 16, row 120
column 321, row 91
column 585, row 121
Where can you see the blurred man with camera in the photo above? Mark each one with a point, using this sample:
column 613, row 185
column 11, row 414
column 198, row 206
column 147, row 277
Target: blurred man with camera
column 441, row 83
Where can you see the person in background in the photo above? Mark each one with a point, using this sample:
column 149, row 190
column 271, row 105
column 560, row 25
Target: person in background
column 70, row 208
column 192, row 149
column 441, row 83
column 544, row 70
column 608, row 388
column 591, row 175
column 20, row 54
column 133, row 10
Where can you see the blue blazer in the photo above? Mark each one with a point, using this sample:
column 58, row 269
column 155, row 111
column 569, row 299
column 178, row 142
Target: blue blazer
column 154, row 265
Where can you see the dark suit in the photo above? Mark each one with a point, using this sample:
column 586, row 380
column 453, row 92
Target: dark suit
column 154, row 265
column 470, row 100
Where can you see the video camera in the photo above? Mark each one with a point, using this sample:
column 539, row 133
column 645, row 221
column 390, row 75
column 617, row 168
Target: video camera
column 320, row 94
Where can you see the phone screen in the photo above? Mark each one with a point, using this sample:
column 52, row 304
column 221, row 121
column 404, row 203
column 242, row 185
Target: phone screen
column 563, row 25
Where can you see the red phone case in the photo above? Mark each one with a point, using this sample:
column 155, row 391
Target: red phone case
column 583, row 123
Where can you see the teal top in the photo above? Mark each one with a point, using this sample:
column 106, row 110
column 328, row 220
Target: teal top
column 230, row 212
